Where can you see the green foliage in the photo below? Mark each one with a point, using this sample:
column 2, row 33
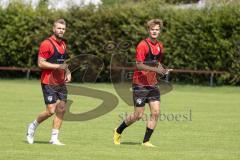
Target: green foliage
column 113, row 2
column 182, row 1
column 206, row 39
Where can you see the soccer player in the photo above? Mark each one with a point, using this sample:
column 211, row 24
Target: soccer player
column 55, row 74
column 149, row 53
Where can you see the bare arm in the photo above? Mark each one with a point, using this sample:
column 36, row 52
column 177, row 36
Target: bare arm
column 43, row 64
column 159, row 69
column 68, row 75
column 142, row 66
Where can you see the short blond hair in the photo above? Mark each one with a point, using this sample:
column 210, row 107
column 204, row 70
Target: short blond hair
column 61, row 21
column 154, row 22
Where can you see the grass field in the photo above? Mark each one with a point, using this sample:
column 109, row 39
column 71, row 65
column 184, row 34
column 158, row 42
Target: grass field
column 212, row 132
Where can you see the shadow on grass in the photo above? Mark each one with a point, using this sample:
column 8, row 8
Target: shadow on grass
column 39, row 142
column 131, row 143
column 42, row 142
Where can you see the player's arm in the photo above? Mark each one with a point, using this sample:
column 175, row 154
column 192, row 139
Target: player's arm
column 45, row 52
column 43, row 64
column 159, row 69
column 141, row 52
column 164, row 70
column 68, row 75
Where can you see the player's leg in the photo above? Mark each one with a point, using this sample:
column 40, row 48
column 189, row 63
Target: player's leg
column 59, row 114
column 139, row 99
column 154, row 105
column 152, row 122
column 57, row 122
column 50, row 101
column 155, row 110
column 50, row 110
column 138, row 113
column 40, row 118
column 130, row 119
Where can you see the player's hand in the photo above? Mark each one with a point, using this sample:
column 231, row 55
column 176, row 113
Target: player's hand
column 161, row 70
column 168, row 70
column 68, row 77
column 63, row 66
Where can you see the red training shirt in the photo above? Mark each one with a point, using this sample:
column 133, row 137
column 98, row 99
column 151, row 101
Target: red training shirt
column 46, row 50
column 146, row 78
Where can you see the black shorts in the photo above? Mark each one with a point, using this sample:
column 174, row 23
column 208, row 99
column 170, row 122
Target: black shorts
column 144, row 94
column 52, row 93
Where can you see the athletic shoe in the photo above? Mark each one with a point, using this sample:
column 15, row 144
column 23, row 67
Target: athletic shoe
column 30, row 133
column 116, row 137
column 56, row 142
column 148, row 144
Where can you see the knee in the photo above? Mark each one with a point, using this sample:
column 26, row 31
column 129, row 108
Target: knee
column 155, row 113
column 61, row 109
column 50, row 113
column 139, row 115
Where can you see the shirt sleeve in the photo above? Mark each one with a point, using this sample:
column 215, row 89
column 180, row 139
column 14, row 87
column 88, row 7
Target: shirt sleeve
column 141, row 51
column 45, row 50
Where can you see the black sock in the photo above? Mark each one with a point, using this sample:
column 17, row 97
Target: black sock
column 148, row 134
column 121, row 127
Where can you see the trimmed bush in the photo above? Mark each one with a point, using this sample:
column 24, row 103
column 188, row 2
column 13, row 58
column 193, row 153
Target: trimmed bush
column 206, row 39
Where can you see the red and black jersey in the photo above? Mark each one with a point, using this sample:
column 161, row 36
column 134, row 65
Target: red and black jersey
column 150, row 54
column 54, row 52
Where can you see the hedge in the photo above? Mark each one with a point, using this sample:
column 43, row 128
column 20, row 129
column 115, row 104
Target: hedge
column 206, row 39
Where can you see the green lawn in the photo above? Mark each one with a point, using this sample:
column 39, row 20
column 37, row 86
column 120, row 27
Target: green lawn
column 212, row 132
